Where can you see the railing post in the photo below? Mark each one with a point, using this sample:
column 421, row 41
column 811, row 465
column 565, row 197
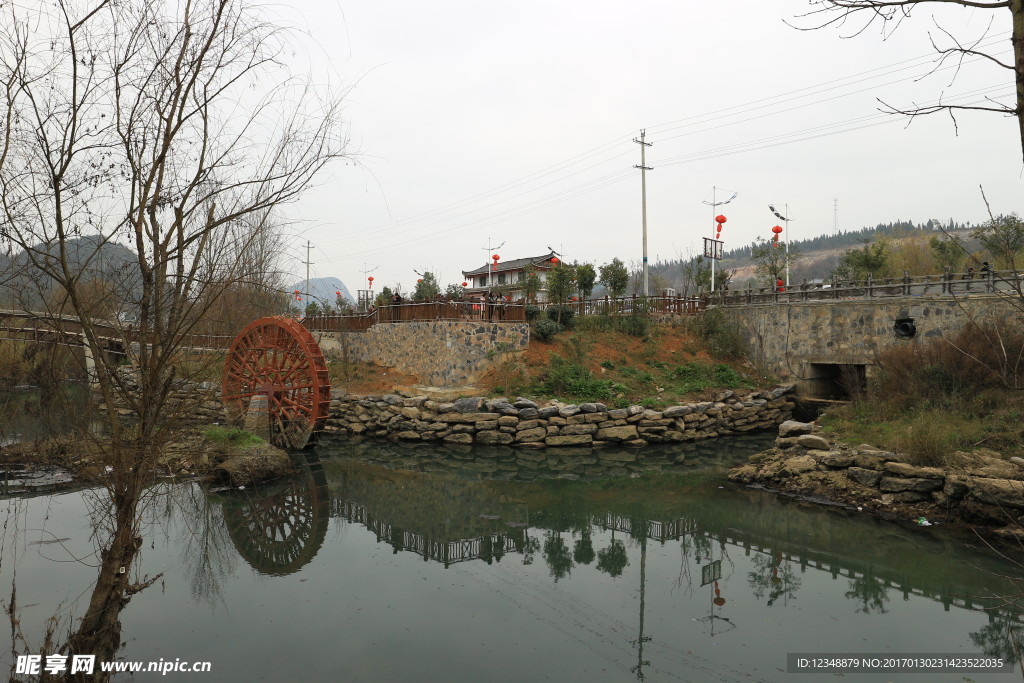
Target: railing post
column 946, row 276
column 803, row 289
column 906, row 282
column 869, row 286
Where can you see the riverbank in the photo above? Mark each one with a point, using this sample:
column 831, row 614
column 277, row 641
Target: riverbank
column 977, row 489
column 191, row 453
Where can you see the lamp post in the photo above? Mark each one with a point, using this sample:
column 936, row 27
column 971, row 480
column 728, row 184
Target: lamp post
column 717, row 225
column 786, row 221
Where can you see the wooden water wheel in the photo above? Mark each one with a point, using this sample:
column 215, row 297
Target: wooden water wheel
column 275, row 379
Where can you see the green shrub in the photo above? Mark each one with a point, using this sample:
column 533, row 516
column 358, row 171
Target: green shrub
column 567, row 314
column 594, row 323
column 722, row 337
column 532, row 312
column 567, row 378
column 698, row 376
column 635, row 324
column 544, row 329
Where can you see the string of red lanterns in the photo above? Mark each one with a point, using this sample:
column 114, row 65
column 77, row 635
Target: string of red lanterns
column 720, row 219
column 777, row 230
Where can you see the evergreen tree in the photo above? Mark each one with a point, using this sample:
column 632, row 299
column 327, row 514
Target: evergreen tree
column 615, row 277
column 586, row 277
column 426, row 287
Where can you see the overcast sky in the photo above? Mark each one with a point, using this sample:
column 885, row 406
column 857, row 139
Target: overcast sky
column 483, row 122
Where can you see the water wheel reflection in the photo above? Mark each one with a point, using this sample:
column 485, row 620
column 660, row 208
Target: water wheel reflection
column 278, row 531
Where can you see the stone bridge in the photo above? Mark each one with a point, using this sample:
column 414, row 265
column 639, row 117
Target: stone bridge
column 827, row 339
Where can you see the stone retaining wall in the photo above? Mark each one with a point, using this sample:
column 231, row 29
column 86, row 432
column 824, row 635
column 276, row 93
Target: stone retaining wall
column 441, row 353
column 525, row 424
column 788, row 338
column 978, row 487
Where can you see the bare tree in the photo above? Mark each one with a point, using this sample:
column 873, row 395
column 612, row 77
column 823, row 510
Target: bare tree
column 172, row 128
column 890, row 13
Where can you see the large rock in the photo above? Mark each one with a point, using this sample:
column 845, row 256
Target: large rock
column 625, row 433
column 781, row 391
column 493, row 438
column 579, row 429
column 813, row 442
column 676, row 411
column 794, row 428
column 535, row 434
column 467, row 418
column 468, row 405
column 905, row 470
column 1008, row 492
column 799, row 464
column 894, row 484
column 864, row 477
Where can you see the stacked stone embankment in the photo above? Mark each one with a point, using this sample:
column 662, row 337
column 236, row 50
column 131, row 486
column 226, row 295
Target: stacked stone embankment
column 979, row 487
column 523, row 423
column 189, row 404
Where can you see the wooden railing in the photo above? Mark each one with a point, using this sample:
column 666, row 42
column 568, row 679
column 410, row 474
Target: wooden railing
column 1003, row 282
column 626, row 305
column 412, row 312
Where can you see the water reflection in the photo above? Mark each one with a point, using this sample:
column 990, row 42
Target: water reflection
column 460, row 515
column 34, row 413
column 656, row 575
column 279, row 530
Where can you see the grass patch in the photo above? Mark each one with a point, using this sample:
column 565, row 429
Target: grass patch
column 573, row 379
column 239, row 438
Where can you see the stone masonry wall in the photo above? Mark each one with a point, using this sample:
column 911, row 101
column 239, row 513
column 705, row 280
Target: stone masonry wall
column 525, row 424
column 786, row 338
column 441, row 353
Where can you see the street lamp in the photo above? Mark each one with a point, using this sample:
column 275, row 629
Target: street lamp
column 785, row 220
column 718, row 224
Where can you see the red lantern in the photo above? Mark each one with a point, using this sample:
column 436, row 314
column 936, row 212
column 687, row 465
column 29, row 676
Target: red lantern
column 495, row 257
column 554, row 260
column 465, row 284
column 370, row 279
column 780, row 286
column 720, row 219
column 419, row 281
column 338, row 293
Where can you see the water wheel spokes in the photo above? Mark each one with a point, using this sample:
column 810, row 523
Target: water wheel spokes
column 275, row 368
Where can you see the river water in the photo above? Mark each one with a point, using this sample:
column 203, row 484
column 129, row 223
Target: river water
column 383, row 563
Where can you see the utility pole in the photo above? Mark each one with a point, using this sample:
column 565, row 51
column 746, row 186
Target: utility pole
column 308, row 247
column 835, row 216
column 644, row 168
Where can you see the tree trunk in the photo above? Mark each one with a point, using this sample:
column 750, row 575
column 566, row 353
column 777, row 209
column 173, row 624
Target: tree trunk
column 1017, row 8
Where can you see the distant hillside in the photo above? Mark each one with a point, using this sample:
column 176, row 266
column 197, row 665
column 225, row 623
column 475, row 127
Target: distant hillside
column 23, row 286
column 323, row 289
column 819, row 255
